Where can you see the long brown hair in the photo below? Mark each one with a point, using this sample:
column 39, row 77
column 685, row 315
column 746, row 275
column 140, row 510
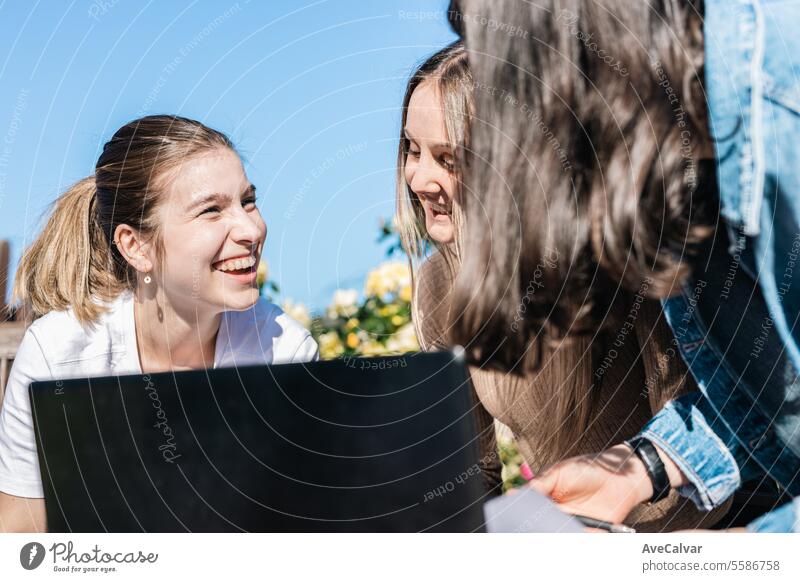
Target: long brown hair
column 74, row 263
column 587, row 149
column 567, row 371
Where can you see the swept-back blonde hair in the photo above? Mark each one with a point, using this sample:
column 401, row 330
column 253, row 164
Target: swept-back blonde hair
column 449, row 72
column 567, row 370
column 74, row 263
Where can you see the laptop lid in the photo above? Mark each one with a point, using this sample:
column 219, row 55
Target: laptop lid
column 378, row 444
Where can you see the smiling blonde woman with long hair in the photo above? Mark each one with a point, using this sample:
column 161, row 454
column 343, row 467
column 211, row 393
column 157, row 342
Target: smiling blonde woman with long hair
column 148, row 265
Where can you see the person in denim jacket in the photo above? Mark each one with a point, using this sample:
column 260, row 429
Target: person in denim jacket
column 734, row 317
column 736, row 322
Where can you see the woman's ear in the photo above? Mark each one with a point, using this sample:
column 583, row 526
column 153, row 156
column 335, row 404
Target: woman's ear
column 133, row 248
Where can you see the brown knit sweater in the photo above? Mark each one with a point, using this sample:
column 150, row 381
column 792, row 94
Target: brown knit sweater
column 636, row 383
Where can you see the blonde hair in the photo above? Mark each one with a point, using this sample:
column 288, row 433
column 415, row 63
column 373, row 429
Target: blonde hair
column 73, row 263
column 568, row 366
column 449, row 71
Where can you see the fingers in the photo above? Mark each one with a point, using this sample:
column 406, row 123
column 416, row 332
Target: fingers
column 545, row 483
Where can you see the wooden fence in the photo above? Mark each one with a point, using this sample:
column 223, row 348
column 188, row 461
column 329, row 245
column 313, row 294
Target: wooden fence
column 11, row 332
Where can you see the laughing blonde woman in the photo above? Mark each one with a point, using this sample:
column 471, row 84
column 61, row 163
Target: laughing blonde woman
column 147, row 265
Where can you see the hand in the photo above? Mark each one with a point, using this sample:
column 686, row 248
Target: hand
column 605, row 486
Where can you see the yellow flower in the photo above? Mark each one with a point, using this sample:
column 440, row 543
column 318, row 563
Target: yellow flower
column 403, row 340
column 262, row 273
column 405, row 293
column 387, row 310
column 372, row 348
column 345, row 303
column 298, row 312
column 398, row 320
column 374, row 285
column 387, row 278
column 352, row 323
column 330, row 346
column 352, row 340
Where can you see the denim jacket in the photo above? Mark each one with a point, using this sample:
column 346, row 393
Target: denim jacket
column 736, row 321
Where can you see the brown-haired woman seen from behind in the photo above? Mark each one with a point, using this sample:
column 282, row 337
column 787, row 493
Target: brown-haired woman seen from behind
column 148, row 265
column 580, row 400
column 650, row 145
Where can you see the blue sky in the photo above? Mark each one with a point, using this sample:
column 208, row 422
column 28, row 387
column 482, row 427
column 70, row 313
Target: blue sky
column 308, row 90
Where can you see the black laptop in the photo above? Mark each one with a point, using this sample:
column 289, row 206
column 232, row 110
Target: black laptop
column 352, row 445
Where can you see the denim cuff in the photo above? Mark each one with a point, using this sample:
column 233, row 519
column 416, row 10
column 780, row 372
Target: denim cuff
column 681, row 431
column 782, row 520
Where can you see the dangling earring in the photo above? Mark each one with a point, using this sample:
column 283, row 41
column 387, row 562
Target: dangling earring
column 147, row 279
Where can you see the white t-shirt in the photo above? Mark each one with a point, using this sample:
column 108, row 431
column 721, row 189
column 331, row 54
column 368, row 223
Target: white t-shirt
column 57, row 347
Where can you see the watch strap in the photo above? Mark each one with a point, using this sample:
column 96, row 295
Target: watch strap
column 648, row 454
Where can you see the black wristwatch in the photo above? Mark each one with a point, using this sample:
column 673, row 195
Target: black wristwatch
column 645, row 450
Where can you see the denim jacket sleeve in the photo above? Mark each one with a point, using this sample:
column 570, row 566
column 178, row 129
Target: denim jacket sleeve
column 681, row 431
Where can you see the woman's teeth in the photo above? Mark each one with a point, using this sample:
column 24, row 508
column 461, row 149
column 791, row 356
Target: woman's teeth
column 237, row 264
column 440, row 209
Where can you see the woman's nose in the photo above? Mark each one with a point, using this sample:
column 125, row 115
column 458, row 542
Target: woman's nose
column 248, row 227
column 425, row 179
